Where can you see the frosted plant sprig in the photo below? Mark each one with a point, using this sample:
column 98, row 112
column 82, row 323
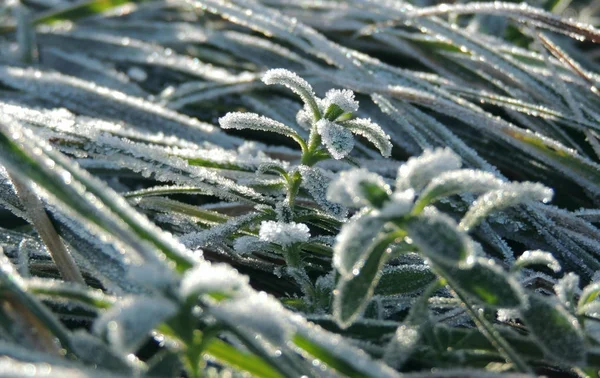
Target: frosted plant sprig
column 406, row 220
column 331, row 126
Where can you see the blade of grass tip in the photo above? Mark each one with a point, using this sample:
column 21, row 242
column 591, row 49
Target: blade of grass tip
column 569, row 62
column 37, row 215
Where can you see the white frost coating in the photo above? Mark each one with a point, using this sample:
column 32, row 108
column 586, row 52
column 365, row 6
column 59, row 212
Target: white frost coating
column 400, row 204
column 538, row 257
column 418, row 171
column 347, row 189
column 206, row 278
column 508, row 195
column 252, row 121
column 566, row 288
column 284, row 234
column 508, row 314
column 127, row 323
column 338, row 140
column 372, row 132
column 344, row 98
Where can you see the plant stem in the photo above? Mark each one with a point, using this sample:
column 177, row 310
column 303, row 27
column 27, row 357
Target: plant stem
column 488, row 330
column 37, row 215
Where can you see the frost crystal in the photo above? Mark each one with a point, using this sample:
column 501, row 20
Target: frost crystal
column 338, row 140
column 284, row 234
column 347, row 189
column 344, row 98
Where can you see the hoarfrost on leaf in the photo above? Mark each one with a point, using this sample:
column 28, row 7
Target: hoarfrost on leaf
column 295, row 83
column 372, row 132
column 349, row 189
column 417, row 172
column 508, row 195
column 338, row 140
column 344, row 98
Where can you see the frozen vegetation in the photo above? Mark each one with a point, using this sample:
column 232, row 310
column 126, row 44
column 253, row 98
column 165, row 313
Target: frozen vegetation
column 297, row 188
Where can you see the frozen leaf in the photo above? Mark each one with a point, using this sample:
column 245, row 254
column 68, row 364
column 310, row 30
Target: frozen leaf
column 438, row 237
column 508, row 195
column 129, row 322
column 457, row 182
column 284, row 234
column 337, row 139
column 354, row 290
column 343, row 101
column 566, row 288
column 245, row 245
column 252, row 121
column 354, row 242
column 357, row 188
column 372, row 132
column 556, row 332
column 589, row 294
column 537, row 257
column 417, row 172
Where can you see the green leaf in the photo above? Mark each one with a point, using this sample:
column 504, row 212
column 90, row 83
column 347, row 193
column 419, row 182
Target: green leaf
column 230, row 356
column 556, row 331
column 589, row 294
column 438, row 238
column 486, row 284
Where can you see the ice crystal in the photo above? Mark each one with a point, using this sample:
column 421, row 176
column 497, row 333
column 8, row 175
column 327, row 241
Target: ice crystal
column 284, row 234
